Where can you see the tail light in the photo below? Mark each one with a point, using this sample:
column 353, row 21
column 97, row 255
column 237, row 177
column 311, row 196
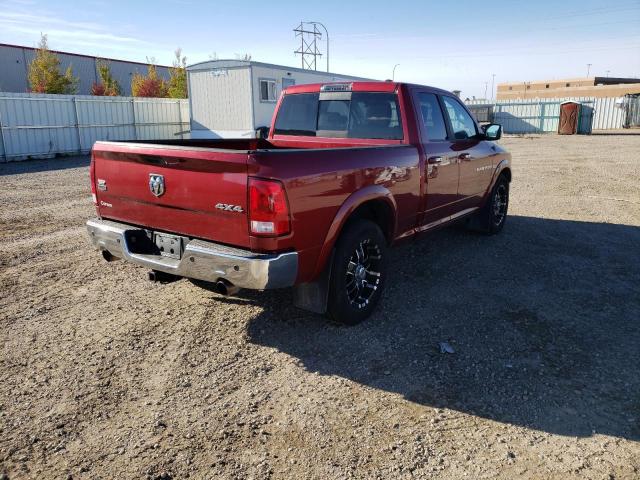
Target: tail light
column 268, row 208
column 92, row 176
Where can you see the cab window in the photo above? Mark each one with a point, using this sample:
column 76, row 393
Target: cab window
column 362, row 115
column 462, row 124
column 432, row 118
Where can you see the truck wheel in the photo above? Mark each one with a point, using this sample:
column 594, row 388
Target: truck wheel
column 491, row 218
column 358, row 273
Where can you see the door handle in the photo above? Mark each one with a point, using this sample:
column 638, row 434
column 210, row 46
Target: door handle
column 434, row 160
column 464, row 156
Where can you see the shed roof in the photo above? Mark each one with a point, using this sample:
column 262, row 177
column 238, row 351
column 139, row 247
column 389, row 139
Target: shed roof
column 214, row 64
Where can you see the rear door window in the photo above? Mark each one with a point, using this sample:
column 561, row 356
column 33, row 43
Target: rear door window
column 364, row 115
column 432, row 118
column 375, row 115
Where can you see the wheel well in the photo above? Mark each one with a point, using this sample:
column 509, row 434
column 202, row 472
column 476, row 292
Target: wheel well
column 507, row 173
column 379, row 212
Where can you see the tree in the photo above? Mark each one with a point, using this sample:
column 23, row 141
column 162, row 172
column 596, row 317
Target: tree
column 178, row 76
column 44, row 72
column 243, row 56
column 149, row 85
column 108, row 85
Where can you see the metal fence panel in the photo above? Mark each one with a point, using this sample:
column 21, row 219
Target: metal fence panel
column 37, row 125
column 100, row 120
column 158, row 119
column 608, row 114
column 631, row 107
column 519, row 117
column 483, row 112
column 537, row 115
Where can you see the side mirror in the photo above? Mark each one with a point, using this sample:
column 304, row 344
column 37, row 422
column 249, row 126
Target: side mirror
column 493, row 131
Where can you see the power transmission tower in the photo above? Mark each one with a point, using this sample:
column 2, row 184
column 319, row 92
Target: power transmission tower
column 309, row 35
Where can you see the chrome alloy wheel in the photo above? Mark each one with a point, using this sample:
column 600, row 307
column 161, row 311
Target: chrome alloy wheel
column 500, row 202
column 363, row 273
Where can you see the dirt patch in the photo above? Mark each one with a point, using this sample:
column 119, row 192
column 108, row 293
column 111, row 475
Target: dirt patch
column 105, row 375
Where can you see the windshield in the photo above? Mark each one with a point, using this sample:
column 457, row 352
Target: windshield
column 363, row 115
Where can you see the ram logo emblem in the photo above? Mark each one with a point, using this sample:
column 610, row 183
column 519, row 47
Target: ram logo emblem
column 156, row 184
column 229, row 208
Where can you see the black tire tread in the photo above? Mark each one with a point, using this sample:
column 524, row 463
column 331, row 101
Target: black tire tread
column 338, row 308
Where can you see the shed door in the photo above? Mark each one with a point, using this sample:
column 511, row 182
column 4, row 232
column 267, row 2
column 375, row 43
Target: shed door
column 568, row 118
column 287, row 82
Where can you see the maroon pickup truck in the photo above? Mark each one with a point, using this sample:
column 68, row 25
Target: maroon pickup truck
column 347, row 170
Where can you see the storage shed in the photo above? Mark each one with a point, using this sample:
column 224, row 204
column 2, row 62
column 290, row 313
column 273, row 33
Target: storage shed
column 233, row 98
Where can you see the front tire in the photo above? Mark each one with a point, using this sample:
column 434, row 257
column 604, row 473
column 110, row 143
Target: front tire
column 493, row 215
column 358, row 272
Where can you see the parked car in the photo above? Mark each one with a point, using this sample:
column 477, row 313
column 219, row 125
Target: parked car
column 348, row 169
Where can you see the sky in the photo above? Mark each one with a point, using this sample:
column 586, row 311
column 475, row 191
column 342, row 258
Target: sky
column 448, row 44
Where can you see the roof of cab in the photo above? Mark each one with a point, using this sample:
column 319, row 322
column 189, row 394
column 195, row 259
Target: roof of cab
column 371, row 86
column 355, row 87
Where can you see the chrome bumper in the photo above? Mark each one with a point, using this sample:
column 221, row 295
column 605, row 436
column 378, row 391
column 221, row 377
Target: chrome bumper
column 202, row 260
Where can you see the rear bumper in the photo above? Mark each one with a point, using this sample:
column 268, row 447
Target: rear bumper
column 202, row 260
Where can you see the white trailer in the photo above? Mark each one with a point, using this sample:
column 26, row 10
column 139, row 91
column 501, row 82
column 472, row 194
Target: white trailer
column 233, row 98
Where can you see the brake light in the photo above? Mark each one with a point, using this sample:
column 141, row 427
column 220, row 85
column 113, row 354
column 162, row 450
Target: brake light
column 268, row 208
column 92, row 176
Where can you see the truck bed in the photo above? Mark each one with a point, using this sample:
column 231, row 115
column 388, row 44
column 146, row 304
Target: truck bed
column 200, row 175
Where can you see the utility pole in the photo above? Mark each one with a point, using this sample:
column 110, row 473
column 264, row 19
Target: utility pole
column 588, row 68
column 486, row 85
column 308, row 50
column 393, row 74
column 608, row 73
column 493, row 81
column 327, row 33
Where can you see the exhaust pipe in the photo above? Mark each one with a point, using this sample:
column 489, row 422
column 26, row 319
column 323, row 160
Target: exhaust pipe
column 162, row 277
column 226, row 288
column 106, row 254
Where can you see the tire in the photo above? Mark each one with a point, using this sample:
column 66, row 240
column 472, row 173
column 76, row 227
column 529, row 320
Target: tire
column 491, row 218
column 358, row 272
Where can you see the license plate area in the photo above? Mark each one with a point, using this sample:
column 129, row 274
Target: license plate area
column 168, row 245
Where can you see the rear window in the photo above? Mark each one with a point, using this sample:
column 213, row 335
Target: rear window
column 364, row 115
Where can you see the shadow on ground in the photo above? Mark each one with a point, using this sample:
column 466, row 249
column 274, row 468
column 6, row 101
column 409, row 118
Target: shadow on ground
column 543, row 319
column 49, row 164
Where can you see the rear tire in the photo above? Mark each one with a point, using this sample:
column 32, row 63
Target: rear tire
column 358, row 272
column 491, row 218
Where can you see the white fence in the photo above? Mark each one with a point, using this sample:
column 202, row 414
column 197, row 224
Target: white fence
column 40, row 126
column 542, row 114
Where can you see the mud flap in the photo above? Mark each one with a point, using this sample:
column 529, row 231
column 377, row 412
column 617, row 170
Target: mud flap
column 477, row 221
column 313, row 296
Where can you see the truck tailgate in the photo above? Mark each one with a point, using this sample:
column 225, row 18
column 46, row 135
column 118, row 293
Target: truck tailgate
column 185, row 190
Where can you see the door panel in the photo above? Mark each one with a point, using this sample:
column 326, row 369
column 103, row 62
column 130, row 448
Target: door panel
column 439, row 165
column 476, row 168
column 474, row 154
column 287, row 82
column 442, row 173
column 568, row 118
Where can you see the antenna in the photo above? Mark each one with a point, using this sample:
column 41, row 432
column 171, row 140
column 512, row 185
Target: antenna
column 308, row 50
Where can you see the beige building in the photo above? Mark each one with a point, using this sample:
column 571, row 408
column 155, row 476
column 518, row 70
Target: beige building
column 569, row 87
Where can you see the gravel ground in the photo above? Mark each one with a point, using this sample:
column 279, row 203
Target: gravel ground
column 106, row 375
